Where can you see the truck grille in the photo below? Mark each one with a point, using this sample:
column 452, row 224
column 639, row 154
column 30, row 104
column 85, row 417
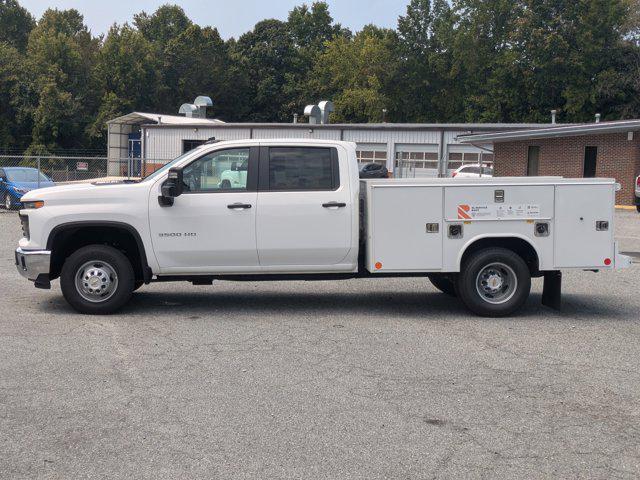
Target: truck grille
column 24, row 220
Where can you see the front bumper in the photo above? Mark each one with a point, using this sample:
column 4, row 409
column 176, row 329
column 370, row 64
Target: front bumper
column 34, row 265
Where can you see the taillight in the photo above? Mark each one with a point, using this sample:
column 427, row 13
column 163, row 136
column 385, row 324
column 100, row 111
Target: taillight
column 638, row 181
column 454, row 174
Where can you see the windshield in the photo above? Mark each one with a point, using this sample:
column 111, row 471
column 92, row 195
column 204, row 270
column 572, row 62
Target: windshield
column 27, row 175
column 167, row 166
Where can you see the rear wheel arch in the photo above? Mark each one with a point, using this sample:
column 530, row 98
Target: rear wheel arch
column 516, row 244
column 67, row 238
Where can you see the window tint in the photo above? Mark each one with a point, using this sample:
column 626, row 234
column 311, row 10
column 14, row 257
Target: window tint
column 302, row 168
column 221, row 170
column 471, row 169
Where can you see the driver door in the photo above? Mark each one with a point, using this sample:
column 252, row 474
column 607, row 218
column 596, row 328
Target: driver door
column 211, row 227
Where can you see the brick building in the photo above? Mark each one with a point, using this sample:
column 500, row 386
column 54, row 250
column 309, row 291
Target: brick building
column 605, row 149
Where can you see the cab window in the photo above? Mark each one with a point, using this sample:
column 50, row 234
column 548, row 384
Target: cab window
column 303, row 168
column 222, row 170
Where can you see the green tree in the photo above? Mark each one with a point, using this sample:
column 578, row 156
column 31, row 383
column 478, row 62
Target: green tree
column 11, row 77
column 268, row 62
column 60, row 56
column 15, row 24
column 165, row 24
column 126, row 75
column 357, row 73
column 197, row 62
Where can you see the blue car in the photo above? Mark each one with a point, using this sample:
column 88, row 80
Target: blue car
column 16, row 181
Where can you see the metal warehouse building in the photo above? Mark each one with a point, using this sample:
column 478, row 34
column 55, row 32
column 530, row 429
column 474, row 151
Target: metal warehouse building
column 144, row 141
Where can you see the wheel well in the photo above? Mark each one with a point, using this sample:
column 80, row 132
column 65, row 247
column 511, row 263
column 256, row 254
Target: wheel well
column 517, row 245
column 66, row 240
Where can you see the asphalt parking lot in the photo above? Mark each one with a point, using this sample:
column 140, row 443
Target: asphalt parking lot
column 328, row 380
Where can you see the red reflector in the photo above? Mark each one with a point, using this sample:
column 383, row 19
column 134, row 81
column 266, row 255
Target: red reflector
column 454, row 174
column 607, row 261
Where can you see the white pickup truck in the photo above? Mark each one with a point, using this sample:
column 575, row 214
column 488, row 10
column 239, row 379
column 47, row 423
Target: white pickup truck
column 301, row 212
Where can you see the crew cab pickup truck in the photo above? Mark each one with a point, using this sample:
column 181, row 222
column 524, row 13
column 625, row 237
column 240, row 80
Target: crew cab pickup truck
column 301, row 212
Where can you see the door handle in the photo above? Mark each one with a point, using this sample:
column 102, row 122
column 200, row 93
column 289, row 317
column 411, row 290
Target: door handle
column 334, row 205
column 239, row 206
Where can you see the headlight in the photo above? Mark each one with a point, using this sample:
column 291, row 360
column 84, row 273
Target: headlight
column 33, row 204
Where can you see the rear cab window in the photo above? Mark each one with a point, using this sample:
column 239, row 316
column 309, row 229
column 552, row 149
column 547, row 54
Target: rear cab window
column 299, row 169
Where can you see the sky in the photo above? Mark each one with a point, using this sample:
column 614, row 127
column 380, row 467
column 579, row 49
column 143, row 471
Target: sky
column 231, row 17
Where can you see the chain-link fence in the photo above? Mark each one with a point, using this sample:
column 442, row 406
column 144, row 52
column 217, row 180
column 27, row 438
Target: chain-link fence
column 22, row 173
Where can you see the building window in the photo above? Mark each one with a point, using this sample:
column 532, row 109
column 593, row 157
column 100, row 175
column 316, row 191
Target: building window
column 372, row 156
column 590, row 157
column 188, row 145
column 533, row 161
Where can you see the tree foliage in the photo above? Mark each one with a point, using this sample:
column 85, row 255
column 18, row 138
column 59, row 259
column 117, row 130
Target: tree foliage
column 447, row 61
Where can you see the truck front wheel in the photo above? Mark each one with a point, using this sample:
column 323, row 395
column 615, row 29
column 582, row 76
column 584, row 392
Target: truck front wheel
column 97, row 279
column 494, row 282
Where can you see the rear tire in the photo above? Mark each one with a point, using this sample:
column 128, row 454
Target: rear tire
column 494, row 282
column 638, row 208
column 444, row 283
column 97, row 280
column 226, row 185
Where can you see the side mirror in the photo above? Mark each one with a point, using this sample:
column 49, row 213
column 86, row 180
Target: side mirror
column 171, row 188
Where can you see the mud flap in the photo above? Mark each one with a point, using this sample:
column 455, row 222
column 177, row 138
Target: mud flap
column 552, row 290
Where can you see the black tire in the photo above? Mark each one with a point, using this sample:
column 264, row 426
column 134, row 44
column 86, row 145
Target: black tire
column 638, row 208
column 492, row 271
column 98, row 255
column 444, row 283
column 137, row 285
column 226, row 184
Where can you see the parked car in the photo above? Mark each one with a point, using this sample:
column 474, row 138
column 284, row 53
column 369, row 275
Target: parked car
column 638, row 193
column 373, row 170
column 473, row 171
column 16, row 181
column 304, row 214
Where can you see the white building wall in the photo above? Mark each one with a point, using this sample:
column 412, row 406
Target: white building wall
column 164, row 143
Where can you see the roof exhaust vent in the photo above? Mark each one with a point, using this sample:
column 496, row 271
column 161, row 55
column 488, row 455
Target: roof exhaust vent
column 197, row 109
column 188, row 110
column 326, row 107
column 314, row 114
column 553, row 116
column 597, row 118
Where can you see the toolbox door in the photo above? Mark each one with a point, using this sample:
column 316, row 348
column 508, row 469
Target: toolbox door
column 406, row 231
column 579, row 242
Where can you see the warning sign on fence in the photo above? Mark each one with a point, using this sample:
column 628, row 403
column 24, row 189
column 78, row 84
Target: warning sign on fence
column 82, row 166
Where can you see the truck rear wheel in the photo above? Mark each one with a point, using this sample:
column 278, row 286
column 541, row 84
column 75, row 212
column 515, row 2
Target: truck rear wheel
column 97, row 279
column 494, row 282
column 444, row 283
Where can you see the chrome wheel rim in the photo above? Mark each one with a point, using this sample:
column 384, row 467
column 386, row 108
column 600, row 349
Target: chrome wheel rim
column 7, row 202
column 96, row 281
column 496, row 283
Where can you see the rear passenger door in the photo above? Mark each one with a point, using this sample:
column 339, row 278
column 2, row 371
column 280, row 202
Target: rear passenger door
column 304, row 208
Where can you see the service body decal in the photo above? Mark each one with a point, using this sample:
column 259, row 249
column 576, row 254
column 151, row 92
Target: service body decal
column 494, row 211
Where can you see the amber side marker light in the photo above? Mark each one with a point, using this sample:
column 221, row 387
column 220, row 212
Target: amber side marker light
column 378, row 265
column 33, row 205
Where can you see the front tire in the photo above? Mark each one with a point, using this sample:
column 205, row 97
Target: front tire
column 494, row 282
column 97, row 280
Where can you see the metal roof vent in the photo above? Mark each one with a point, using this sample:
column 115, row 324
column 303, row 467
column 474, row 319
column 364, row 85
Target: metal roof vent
column 326, row 107
column 188, row 109
column 197, row 109
column 314, row 114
